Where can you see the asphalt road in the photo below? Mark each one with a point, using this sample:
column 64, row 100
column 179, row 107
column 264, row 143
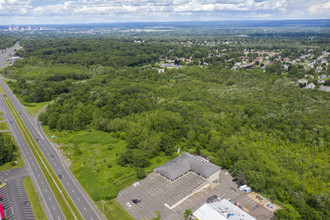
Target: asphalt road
column 52, row 208
column 85, row 205
column 15, row 192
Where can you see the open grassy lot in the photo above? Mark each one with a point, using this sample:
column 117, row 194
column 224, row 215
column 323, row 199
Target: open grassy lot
column 34, row 200
column 93, row 156
column 34, row 108
column 3, row 126
column 113, row 210
column 1, row 113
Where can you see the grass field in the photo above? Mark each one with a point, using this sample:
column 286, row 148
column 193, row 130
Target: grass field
column 34, row 200
column 34, row 108
column 113, row 210
column 1, row 113
column 94, row 154
column 3, row 126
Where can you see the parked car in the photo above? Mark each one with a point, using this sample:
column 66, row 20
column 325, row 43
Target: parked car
column 136, row 201
column 128, row 204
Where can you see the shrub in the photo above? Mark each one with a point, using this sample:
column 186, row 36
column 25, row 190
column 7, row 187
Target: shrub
column 140, row 173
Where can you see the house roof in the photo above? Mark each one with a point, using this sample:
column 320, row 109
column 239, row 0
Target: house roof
column 185, row 163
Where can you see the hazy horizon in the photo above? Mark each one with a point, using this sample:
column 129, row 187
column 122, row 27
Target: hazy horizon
column 115, row 11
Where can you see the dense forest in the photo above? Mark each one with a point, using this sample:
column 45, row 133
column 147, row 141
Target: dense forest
column 7, row 41
column 267, row 131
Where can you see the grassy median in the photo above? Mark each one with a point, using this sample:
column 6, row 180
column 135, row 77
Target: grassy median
column 69, row 209
column 38, row 212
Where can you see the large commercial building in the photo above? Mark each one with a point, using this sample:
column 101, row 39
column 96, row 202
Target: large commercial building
column 169, row 186
column 185, row 163
column 221, row 210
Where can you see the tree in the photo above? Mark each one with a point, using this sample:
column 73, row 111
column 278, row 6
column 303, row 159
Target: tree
column 187, row 213
column 256, row 180
column 140, row 173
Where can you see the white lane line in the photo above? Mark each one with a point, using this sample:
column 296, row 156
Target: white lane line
column 84, row 208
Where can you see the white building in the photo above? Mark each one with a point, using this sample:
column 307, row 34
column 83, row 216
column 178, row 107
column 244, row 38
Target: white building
column 221, row 210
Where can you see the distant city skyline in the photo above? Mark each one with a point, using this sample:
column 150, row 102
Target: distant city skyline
column 96, row 11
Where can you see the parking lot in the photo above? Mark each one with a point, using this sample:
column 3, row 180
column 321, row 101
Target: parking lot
column 14, row 199
column 154, row 191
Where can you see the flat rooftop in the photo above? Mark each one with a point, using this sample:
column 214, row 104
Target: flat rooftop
column 221, row 210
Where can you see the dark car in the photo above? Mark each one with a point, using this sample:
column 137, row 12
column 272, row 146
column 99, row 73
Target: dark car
column 37, row 139
column 52, row 155
column 60, row 176
column 136, row 201
column 235, row 179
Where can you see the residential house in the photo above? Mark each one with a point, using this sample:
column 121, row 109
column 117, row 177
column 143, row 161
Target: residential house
column 324, row 88
column 303, row 81
column 310, row 86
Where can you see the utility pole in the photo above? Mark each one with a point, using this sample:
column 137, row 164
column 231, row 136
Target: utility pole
column 103, row 205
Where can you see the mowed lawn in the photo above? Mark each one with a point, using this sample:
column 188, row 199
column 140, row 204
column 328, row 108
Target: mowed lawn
column 94, row 154
column 3, row 125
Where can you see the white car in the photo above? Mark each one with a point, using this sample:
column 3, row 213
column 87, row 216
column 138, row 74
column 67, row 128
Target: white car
column 128, row 204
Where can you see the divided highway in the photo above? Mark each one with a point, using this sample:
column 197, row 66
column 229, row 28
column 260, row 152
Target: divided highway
column 85, row 205
column 48, row 200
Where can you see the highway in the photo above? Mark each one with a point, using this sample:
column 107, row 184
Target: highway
column 48, row 201
column 85, row 205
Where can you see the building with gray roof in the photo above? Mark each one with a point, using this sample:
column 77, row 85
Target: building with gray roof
column 186, row 162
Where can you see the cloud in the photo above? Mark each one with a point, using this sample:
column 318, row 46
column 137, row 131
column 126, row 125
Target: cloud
column 322, row 8
column 149, row 10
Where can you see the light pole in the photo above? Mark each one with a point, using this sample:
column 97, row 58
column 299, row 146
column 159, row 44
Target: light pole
column 103, row 205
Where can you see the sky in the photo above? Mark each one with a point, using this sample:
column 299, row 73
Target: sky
column 95, row 11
